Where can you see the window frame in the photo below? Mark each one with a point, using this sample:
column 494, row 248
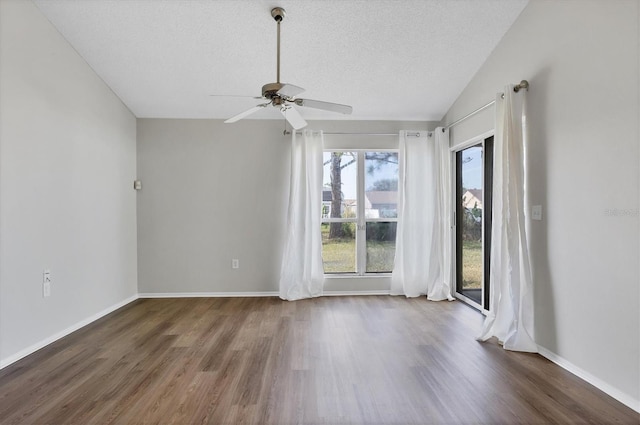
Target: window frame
column 360, row 220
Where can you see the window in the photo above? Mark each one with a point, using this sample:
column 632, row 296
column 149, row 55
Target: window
column 359, row 211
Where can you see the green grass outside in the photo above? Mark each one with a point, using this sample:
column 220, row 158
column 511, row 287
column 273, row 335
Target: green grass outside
column 471, row 264
column 339, row 255
column 380, row 256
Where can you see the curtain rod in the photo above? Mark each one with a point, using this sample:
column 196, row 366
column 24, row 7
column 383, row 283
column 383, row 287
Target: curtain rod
column 340, row 133
column 524, row 84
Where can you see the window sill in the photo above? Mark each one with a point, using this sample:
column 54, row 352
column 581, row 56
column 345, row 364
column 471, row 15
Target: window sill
column 356, row 276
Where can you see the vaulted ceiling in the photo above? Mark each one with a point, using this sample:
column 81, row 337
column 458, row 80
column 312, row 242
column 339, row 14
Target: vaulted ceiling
column 389, row 59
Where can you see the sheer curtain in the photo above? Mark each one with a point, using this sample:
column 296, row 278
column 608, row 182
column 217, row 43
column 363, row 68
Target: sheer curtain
column 301, row 274
column 440, row 275
column 511, row 316
column 419, row 267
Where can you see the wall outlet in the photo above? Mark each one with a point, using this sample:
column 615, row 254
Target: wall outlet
column 235, row 263
column 46, row 283
column 536, row 212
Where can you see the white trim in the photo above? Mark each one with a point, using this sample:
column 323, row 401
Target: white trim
column 361, row 236
column 603, row 386
column 324, row 150
column 253, row 294
column 340, row 220
column 207, row 294
column 473, row 141
column 350, row 293
column 59, row 335
column 357, row 276
column 381, row 220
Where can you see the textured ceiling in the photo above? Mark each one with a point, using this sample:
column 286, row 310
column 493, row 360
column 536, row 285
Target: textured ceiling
column 389, row 59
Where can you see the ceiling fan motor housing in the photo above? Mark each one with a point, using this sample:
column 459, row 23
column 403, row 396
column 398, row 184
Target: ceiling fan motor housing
column 270, row 90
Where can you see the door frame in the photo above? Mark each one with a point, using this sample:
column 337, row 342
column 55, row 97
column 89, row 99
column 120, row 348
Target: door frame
column 484, row 307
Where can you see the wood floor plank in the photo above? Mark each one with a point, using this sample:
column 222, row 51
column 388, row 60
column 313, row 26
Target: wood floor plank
column 196, row 402
column 333, row 360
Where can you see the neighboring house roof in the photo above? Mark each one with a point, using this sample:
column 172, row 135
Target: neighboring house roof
column 350, row 203
column 472, row 198
column 477, row 193
column 386, row 197
column 371, row 198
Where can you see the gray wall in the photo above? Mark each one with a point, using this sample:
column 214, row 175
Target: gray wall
column 581, row 58
column 213, row 192
column 67, row 163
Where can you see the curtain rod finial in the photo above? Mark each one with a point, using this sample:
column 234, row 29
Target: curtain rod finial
column 524, row 84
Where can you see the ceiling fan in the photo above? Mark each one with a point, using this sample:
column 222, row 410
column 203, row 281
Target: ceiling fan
column 283, row 96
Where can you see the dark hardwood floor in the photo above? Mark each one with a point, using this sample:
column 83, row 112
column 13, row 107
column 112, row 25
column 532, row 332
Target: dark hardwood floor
column 332, row 360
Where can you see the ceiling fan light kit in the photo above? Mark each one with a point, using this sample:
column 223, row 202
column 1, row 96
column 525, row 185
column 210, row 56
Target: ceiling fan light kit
column 283, row 95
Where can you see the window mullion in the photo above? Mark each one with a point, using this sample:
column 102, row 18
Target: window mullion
column 361, row 249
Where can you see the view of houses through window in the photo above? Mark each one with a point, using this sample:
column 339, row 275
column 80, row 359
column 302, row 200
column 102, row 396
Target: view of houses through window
column 359, row 211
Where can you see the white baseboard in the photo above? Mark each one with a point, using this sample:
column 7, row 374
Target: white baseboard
column 249, row 294
column 622, row 397
column 53, row 338
column 206, row 294
column 349, row 293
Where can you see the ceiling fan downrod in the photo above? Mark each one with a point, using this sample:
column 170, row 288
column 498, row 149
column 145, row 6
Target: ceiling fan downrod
column 278, row 15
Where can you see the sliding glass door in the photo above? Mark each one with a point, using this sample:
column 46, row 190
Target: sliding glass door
column 474, row 166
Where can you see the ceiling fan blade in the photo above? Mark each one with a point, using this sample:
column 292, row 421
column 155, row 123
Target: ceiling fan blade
column 246, row 113
column 294, row 118
column 327, row 106
column 289, row 90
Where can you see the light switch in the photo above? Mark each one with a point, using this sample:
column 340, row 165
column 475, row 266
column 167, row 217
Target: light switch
column 536, row 212
column 46, row 283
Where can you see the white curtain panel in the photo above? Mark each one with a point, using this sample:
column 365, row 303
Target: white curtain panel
column 301, row 274
column 419, row 259
column 440, row 272
column 510, row 318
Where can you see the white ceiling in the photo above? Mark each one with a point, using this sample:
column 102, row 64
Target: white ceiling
column 389, row 59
